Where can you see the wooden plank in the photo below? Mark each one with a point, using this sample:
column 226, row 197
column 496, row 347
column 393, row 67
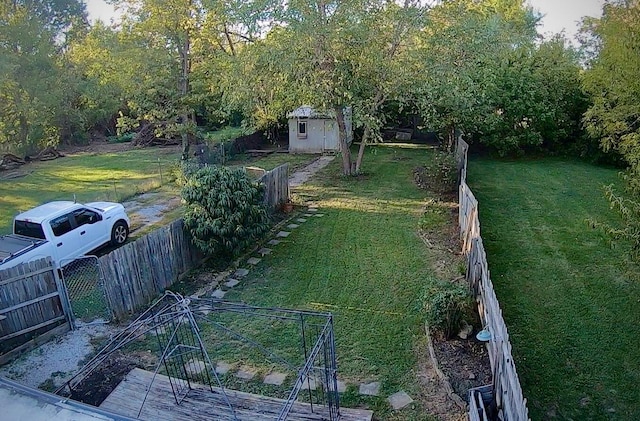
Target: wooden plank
column 29, row 302
column 32, row 328
column 203, row 403
column 33, row 343
column 21, row 276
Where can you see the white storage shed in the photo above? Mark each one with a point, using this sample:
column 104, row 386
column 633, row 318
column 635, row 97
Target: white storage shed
column 312, row 131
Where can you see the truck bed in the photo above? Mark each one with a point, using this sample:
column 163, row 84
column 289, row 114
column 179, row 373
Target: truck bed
column 12, row 246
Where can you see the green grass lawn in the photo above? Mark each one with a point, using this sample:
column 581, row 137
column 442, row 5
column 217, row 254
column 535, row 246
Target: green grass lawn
column 571, row 302
column 364, row 263
column 90, row 177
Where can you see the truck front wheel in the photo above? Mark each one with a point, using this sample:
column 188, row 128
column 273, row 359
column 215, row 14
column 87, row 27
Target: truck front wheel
column 119, row 233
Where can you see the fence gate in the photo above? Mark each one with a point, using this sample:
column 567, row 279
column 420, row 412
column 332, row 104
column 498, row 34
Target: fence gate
column 85, row 288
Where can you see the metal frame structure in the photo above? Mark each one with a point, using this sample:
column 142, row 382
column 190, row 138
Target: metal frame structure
column 181, row 320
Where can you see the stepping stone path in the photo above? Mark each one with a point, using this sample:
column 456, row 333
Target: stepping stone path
column 399, row 400
column 195, row 366
column 308, row 215
column 275, row 378
column 293, row 226
column 274, row 242
column 218, row 293
column 319, row 215
column 265, row 251
column 245, row 373
column 241, row 273
column 371, row 389
column 312, row 210
column 231, row 282
column 253, row 261
column 301, row 220
column 283, row 234
column 223, row 367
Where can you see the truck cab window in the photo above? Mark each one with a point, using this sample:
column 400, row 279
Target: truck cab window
column 85, row 216
column 61, row 225
column 28, row 229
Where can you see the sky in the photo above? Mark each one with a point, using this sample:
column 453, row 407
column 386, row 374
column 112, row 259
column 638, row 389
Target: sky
column 565, row 14
column 558, row 14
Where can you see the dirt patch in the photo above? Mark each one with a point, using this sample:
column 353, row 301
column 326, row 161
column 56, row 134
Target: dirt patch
column 149, row 209
column 465, row 362
column 461, row 363
column 95, row 388
column 433, row 395
column 303, row 175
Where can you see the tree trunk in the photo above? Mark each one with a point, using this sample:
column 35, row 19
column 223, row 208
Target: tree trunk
column 344, row 146
column 363, row 143
column 184, row 91
column 451, row 137
column 377, row 102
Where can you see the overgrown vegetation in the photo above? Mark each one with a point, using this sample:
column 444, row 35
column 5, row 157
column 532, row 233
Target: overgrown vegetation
column 449, row 306
column 569, row 299
column 224, row 210
column 629, row 211
column 612, row 118
column 439, row 174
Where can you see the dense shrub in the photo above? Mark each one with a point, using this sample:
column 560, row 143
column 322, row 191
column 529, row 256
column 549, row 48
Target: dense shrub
column 629, row 210
column 448, row 307
column 224, row 210
column 440, row 174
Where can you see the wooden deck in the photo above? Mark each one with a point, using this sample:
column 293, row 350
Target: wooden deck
column 201, row 404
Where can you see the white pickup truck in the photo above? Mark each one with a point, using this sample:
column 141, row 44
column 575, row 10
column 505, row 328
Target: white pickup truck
column 63, row 231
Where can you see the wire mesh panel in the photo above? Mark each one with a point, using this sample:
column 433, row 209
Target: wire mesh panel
column 85, row 288
column 226, row 360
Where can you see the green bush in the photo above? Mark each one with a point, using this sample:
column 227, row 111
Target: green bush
column 448, row 307
column 445, row 169
column 224, row 211
column 629, row 210
column 124, row 138
column 440, row 174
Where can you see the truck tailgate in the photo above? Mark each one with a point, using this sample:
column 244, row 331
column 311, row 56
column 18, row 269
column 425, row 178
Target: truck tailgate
column 14, row 245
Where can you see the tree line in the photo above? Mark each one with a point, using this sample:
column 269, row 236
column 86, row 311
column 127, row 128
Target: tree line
column 177, row 68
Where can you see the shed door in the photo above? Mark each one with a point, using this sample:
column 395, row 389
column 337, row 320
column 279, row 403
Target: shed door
column 328, row 136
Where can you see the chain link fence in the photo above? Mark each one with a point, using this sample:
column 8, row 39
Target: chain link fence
column 85, row 288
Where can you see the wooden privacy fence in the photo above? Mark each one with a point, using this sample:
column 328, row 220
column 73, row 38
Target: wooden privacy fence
column 276, row 186
column 507, row 392
column 138, row 272
column 33, row 307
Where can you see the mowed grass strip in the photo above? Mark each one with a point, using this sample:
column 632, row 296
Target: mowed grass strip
column 90, row 177
column 571, row 302
column 363, row 262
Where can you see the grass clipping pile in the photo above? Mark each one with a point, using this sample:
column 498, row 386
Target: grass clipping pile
column 453, row 354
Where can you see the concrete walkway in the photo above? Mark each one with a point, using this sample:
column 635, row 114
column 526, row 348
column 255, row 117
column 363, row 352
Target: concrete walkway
column 303, row 175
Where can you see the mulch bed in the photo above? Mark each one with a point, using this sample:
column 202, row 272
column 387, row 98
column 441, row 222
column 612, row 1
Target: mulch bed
column 95, row 388
column 465, row 362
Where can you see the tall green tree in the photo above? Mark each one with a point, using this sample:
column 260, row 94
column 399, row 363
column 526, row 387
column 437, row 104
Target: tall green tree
column 37, row 94
column 612, row 81
column 329, row 54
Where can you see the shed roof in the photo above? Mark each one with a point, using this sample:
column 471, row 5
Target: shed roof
column 306, row 111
